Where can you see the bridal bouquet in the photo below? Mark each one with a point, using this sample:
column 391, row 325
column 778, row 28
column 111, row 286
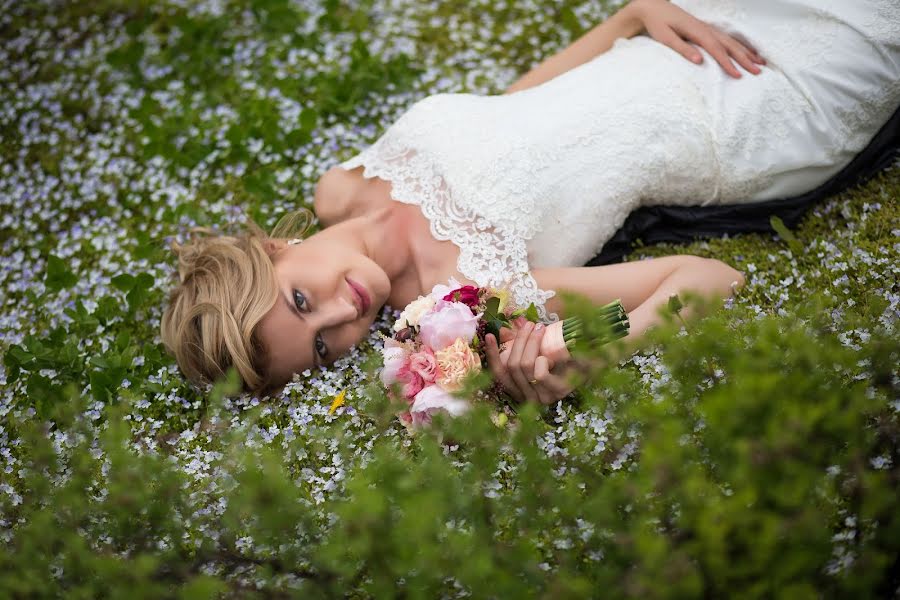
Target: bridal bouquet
column 438, row 342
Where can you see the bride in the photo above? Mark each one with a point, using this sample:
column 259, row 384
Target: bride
column 663, row 103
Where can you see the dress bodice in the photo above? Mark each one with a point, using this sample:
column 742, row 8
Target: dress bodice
column 545, row 176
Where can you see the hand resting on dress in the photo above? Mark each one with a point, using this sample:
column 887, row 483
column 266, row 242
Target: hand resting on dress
column 674, row 27
column 665, row 23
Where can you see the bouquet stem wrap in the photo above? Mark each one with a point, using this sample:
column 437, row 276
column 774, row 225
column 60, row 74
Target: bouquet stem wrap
column 559, row 337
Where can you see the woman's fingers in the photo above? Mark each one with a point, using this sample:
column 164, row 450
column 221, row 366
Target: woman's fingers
column 720, row 46
column 530, row 357
column 740, row 52
column 681, row 31
column 506, row 334
column 754, row 53
column 521, row 359
column 720, row 53
column 551, row 387
column 564, row 378
column 667, row 36
column 522, row 365
column 498, row 369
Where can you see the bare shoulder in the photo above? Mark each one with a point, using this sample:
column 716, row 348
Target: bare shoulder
column 333, row 201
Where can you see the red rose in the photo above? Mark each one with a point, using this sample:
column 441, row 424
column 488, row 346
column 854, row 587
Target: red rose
column 467, row 294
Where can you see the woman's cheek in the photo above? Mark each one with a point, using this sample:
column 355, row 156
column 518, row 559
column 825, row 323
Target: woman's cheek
column 350, row 336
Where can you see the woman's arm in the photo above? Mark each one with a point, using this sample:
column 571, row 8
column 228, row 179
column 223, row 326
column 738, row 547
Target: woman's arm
column 643, row 286
column 664, row 22
column 623, row 24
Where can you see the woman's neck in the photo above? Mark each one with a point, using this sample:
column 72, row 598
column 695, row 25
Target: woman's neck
column 383, row 234
column 397, row 237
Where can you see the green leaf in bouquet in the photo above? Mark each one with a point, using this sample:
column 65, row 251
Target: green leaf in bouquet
column 531, row 313
column 494, row 326
column 492, row 308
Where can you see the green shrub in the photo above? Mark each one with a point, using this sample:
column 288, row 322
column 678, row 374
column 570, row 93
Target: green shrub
column 763, row 467
column 753, row 455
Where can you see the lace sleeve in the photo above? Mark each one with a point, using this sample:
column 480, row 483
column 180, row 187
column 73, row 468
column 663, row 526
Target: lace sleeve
column 491, row 254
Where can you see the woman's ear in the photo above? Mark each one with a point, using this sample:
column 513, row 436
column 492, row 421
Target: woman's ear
column 273, row 245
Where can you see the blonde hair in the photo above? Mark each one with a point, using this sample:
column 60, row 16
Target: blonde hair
column 227, row 285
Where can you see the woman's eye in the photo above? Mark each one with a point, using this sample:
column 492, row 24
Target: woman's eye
column 299, row 299
column 321, row 348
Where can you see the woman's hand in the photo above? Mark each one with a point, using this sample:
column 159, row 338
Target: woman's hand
column 525, row 375
column 672, row 26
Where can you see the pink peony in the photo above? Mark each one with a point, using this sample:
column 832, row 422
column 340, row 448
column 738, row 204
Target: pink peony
column 454, row 320
column 420, row 419
column 456, row 362
column 412, row 381
column 424, row 364
column 467, row 294
column 394, row 355
column 431, row 400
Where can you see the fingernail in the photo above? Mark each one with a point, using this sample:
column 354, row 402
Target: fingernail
column 539, row 326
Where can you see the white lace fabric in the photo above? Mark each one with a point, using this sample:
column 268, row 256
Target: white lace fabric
column 544, row 177
column 491, row 254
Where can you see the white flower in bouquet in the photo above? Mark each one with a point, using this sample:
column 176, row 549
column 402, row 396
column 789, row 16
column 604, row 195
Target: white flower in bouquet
column 414, row 311
column 394, row 354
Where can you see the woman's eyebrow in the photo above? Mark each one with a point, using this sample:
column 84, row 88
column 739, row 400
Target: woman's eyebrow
column 293, row 308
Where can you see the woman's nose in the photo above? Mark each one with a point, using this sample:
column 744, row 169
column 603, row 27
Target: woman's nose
column 340, row 310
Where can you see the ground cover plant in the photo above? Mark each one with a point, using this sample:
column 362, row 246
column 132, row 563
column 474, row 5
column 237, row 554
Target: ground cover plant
column 752, row 453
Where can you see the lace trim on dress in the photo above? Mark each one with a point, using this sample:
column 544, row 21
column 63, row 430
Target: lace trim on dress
column 490, row 254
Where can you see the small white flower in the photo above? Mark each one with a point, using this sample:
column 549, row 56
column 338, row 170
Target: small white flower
column 882, row 462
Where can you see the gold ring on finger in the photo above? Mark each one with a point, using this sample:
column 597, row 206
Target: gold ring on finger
column 533, row 381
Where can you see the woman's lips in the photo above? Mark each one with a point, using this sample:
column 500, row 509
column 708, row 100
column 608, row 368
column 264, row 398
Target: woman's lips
column 363, row 295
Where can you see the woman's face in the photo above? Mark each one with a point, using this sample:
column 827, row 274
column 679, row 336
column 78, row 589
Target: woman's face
column 319, row 314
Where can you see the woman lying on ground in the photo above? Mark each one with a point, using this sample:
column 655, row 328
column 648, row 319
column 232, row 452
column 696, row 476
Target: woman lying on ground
column 721, row 102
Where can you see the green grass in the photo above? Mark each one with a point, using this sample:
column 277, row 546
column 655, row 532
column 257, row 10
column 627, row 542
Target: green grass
column 125, row 123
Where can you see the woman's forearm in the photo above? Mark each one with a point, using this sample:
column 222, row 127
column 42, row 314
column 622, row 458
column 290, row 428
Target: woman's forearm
column 647, row 315
column 623, row 24
column 643, row 287
column 711, row 280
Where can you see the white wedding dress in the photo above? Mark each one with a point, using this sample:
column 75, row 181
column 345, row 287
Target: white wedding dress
column 545, row 176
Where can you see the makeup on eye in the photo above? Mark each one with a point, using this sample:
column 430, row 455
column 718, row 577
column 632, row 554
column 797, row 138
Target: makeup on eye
column 320, row 351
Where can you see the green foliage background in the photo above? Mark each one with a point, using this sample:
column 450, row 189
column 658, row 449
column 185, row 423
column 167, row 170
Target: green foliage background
column 755, row 454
